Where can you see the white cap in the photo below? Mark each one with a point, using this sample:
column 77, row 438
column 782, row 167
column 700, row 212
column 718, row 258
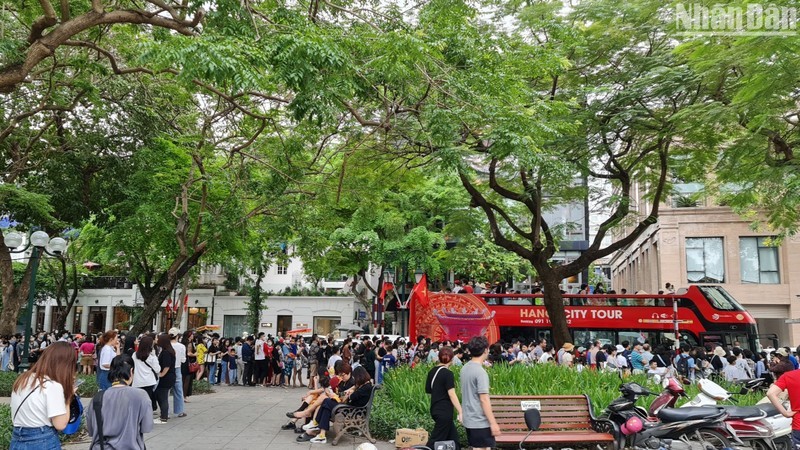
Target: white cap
column 174, row 332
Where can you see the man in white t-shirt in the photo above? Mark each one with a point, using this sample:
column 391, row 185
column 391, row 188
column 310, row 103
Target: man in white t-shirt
column 180, row 359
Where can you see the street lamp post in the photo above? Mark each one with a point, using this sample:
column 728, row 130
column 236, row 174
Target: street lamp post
column 40, row 242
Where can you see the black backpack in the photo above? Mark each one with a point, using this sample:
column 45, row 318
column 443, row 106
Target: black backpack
column 682, row 365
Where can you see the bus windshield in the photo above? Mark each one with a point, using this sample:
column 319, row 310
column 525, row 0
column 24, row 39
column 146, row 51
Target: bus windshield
column 720, row 299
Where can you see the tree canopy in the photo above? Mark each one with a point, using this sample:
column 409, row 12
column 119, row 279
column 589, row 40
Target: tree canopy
column 371, row 135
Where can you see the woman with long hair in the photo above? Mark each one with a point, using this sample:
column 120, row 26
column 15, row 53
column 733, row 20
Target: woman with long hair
column 108, row 348
column 146, row 368
column 126, row 410
column 358, row 395
column 166, row 380
column 40, row 399
column 441, row 385
column 191, row 357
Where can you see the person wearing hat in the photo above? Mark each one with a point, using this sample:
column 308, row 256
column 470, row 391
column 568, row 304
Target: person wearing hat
column 566, row 358
column 780, row 363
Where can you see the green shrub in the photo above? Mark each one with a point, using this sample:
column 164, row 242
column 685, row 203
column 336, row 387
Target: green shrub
column 86, row 390
column 6, row 383
column 5, row 426
column 201, row 387
column 403, row 403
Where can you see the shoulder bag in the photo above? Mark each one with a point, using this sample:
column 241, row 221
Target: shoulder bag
column 97, row 403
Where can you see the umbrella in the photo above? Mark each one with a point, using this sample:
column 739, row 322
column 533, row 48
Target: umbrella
column 299, row 331
column 350, row 328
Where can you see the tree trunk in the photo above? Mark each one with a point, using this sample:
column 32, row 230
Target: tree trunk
column 554, row 303
column 154, row 296
column 14, row 296
column 256, row 303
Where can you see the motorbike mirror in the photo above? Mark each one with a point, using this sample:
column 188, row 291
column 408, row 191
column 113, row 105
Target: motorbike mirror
column 533, row 419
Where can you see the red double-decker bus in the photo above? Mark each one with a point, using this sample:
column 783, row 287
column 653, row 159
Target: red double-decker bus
column 703, row 314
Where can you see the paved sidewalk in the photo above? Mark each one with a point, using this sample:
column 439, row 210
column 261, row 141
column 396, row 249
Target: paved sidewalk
column 236, row 418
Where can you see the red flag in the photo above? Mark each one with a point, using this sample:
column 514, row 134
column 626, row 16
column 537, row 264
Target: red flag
column 387, row 286
column 186, row 303
column 169, row 304
column 420, row 291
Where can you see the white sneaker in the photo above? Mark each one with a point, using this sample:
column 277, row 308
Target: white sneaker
column 319, row 440
column 311, row 426
column 159, row 421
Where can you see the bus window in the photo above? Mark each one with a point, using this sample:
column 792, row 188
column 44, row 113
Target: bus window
column 638, row 336
column 583, row 337
column 720, row 299
column 517, row 301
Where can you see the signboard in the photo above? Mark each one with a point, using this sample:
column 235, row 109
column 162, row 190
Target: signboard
column 530, row 404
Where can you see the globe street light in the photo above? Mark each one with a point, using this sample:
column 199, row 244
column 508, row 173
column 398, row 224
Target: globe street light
column 40, row 242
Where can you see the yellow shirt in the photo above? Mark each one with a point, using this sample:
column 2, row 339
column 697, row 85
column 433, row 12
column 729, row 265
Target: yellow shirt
column 201, row 353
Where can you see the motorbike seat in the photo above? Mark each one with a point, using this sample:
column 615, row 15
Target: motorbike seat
column 694, row 413
column 744, row 412
column 768, row 408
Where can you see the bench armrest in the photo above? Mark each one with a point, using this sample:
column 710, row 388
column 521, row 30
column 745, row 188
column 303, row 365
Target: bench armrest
column 605, row 426
column 349, row 412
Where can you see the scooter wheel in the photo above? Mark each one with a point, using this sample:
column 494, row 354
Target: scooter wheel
column 783, row 443
column 711, row 439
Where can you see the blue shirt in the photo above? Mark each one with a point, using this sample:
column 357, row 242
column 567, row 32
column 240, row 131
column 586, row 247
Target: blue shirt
column 636, row 361
column 247, row 353
column 794, row 361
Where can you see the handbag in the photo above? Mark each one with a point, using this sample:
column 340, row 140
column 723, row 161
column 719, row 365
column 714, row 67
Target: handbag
column 194, row 367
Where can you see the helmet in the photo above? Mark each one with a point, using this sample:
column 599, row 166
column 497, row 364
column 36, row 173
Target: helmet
column 75, row 413
column 366, row 446
column 632, row 425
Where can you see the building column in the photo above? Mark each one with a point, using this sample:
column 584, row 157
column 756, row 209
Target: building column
column 35, row 318
column 85, row 319
column 109, row 318
column 159, row 318
column 184, row 319
column 70, row 320
column 48, row 317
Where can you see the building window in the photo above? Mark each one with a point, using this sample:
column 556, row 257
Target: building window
column 705, row 260
column 282, row 270
column 759, row 261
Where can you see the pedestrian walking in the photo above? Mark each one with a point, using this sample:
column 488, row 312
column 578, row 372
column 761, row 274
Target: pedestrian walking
column 441, row 386
column 478, row 418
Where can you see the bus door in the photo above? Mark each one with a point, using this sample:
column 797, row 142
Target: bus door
column 725, row 340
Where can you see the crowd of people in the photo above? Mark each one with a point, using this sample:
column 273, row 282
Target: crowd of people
column 153, row 365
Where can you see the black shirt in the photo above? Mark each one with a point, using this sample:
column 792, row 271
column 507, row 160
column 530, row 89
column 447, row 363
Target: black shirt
column 438, row 387
column 167, row 359
column 361, row 395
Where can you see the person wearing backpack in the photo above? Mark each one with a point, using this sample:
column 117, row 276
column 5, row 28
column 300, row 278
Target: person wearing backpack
column 684, row 363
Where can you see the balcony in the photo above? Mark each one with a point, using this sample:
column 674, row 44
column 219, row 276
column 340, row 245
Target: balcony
column 106, row 283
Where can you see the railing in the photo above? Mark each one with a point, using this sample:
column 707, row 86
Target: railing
column 106, row 283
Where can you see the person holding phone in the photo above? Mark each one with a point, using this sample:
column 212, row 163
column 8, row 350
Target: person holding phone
column 40, row 399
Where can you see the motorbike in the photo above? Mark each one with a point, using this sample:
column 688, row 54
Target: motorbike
column 749, row 423
column 701, row 428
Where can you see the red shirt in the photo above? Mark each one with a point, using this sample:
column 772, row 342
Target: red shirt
column 790, row 381
column 468, row 289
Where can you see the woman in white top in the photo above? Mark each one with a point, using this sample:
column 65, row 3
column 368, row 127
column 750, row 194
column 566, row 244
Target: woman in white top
column 40, row 399
column 108, row 347
column 145, row 368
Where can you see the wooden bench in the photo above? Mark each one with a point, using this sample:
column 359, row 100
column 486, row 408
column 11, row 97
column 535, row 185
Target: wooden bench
column 566, row 420
column 352, row 419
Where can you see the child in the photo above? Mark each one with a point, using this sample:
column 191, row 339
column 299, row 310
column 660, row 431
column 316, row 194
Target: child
column 330, row 390
column 231, row 365
column 656, row 373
